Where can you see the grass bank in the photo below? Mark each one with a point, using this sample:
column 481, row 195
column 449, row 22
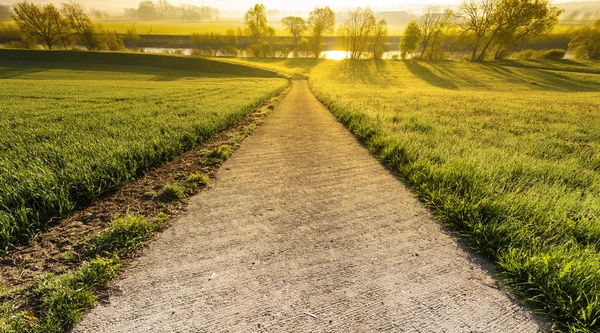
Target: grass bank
column 73, row 131
column 506, row 155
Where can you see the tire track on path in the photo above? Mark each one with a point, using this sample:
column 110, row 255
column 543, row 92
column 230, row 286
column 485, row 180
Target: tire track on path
column 306, row 232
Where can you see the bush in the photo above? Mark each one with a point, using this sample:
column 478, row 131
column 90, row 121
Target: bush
column 229, row 51
column 554, row 54
column 529, row 54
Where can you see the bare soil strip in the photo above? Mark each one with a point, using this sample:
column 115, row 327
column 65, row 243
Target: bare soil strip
column 305, row 231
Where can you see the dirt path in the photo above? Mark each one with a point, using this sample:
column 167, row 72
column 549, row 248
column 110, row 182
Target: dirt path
column 304, row 231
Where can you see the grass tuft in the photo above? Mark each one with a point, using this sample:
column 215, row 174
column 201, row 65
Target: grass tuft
column 123, row 235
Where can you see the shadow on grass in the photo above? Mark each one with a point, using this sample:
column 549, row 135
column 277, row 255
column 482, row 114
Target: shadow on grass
column 371, row 72
column 19, row 69
column 427, row 75
column 549, row 79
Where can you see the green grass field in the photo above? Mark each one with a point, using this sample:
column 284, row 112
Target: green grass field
column 71, row 132
column 505, row 153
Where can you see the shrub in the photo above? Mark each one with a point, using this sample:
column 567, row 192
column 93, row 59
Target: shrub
column 529, row 54
column 229, row 51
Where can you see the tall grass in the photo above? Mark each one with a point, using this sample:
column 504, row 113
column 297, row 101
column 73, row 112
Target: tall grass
column 507, row 156
column 71, row 132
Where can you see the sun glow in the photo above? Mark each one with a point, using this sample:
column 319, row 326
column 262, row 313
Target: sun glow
column 335, row 55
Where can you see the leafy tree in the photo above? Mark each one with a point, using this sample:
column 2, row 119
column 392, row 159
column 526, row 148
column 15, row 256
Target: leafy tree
column 81, row 24
column 411, row 38
column 5, row 13
column 320, row 21
column 256, row 22
column 504, row 23
column 296, row 26
column 432, row 23
column 585, row 43
column 380, row 34
column 44, row 25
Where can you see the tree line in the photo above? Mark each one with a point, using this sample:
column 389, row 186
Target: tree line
column 478, row 30
column 484, row 29
column 163, row 10
column 63, row 27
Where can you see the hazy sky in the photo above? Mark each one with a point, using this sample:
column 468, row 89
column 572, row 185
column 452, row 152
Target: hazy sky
column 309, row 4
column 240, row 6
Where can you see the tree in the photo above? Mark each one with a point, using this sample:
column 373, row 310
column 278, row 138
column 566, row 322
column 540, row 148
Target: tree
column 40, row 24
column 432, row 23
column 359, row 26
column 504, row 23
column 296, row 26
column 81, row 24
column 585, row 43
column 320, row 21
column 147, row 10
column 59, row 24
column 380, row 34
column 5, row 13
column 256, row 22
column 411, row 38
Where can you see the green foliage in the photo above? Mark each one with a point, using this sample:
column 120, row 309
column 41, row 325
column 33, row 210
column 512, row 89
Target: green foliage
column 195, row 181
column 60, row 152
column 63, row 298
column 9, row 32
column 230, row 51
column 217, row 155
column 42, row 24
column 502, row 25
column 122, row 235
column 504, row 153
column 554, row 54
column 585, row 43
column 12, row 320
column 294, row 25
column 411, row 38
column 256, row 22
column 321, row 21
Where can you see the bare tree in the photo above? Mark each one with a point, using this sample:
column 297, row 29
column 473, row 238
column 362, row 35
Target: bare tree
column 40, row 24
column 256, row 22
column 320, row 21
column 81, row 23
column 432, row 24
column 359, row 27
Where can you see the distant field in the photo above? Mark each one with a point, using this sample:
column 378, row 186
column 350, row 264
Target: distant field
column 179, row 28
column 71, row 132
column 505, row 153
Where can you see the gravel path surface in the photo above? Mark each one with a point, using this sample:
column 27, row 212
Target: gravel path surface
column 304, row 231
